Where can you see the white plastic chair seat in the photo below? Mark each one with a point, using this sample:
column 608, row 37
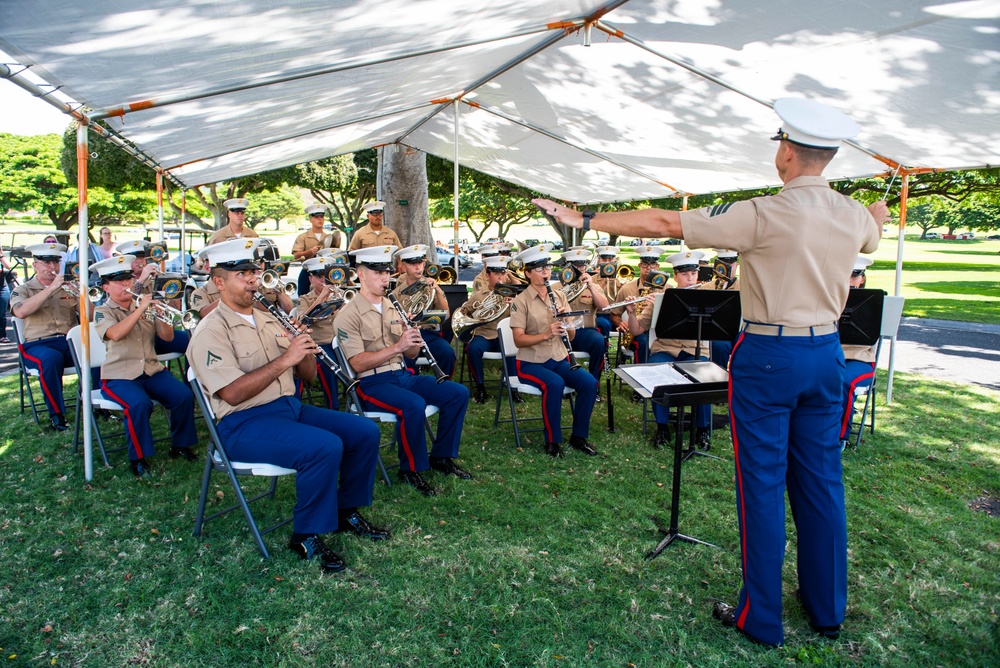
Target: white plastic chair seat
column 527, row 388
column 251, row 468
column 169, row 357
column 390, row 418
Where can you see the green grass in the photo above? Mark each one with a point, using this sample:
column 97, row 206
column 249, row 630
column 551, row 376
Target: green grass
column 536, row 562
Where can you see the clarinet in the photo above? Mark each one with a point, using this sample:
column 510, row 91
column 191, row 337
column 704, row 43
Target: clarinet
column 565, row 337
column 293, row 331
column 424, row 350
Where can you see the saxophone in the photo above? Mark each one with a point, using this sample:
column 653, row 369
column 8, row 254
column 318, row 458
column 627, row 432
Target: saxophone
column 627, row 337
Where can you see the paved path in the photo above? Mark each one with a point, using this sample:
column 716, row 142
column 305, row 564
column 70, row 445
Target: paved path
column 954, row 351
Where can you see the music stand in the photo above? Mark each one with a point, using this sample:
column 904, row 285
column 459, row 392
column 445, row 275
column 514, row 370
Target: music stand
column 861, row 321
column 456, row 295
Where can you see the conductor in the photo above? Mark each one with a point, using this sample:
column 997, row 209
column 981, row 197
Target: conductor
column 787, row 367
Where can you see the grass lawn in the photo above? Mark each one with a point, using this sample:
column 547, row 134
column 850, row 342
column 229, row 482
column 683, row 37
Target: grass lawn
column 536, row 562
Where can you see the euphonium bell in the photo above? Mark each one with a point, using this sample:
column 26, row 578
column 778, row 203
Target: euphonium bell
column 625, row 273
column 270, row 280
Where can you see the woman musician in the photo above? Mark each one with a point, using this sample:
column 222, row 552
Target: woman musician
column 543, row 360
column 485, row 338
column 412, row 261
column 321, row 330
column 685, row 266
column 132, row 375
column 859, row 361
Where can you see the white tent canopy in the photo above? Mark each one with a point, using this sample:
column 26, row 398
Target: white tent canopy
column 672, row 97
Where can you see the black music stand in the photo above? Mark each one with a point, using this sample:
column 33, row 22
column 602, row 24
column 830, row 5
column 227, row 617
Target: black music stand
column 702, row 315
column 861, row 321
column 456, row 295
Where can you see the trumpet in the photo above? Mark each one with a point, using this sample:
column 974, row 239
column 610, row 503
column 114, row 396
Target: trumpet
column 73, row 287
column 424, row 350
column 335, row 277
column 293, row 331
column 270, row 280
column 165, row 313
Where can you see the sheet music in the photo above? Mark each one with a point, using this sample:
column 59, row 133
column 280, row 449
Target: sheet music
column 654, row 375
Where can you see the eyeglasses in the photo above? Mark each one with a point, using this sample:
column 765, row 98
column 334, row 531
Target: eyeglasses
column 579, row 263
column 649, row 263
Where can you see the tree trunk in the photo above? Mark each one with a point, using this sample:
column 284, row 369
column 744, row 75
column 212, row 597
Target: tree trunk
column 403, row 171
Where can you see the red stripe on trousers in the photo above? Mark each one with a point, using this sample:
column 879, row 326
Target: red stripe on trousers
column 545, row 394
column 128, row 418
column 41, row 378
column 739, row 487
column 850, row 402
column 402, row 424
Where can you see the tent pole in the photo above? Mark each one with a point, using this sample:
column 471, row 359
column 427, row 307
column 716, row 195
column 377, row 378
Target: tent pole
column 455, row 197
column 684, row 207
column 903, row 195
column 159, row 208
column 85, row 407
column 184, row 264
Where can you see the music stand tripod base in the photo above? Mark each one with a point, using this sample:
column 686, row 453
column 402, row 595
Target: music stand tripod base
column 675, row 494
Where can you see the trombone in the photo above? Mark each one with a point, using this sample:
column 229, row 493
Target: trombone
column 165, row 313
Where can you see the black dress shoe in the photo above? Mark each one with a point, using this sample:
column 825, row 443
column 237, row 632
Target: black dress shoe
column 583, row 445
column 828, row 632
column 553, row 450
column 359, row 526
column 702, row 439
column 518, row 399
column 140, row 469
column 726, row 614
column 480, row 396
column 187, row 454
column 416, row 480
column 662, row 436
column 59, row 422
column 448, row 466
column 314, row 547
column 636, row 398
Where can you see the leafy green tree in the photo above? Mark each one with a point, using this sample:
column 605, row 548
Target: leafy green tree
column 926, row 216
column 30, row 178
column 273, row 205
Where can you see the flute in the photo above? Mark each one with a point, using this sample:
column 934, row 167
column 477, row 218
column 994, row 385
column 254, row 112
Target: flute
column 293, row 331
column 565, row 335
column 424, row 350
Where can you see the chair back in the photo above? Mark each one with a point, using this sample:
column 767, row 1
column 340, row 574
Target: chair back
column 18, row 329
column 342, row 358
column 507, row 346
column 98, row 353
column 202, row 396
column 657, row 303
column 892, row 312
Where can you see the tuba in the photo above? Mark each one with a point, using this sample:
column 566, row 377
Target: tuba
column 489, row 309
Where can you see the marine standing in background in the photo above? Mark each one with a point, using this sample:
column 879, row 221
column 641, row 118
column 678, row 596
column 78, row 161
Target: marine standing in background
column 308, row 244
column 236, row 211
column 374, row 233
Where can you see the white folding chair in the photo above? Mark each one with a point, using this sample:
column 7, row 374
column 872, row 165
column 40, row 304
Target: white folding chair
column 355, row 407
column 216, row 459
column 26, row 373
column 512, row 383
column 892, row 312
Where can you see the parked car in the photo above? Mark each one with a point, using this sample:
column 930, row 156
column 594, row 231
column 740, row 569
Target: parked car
column 932, row 235
column 447, row 257
column 994, row 236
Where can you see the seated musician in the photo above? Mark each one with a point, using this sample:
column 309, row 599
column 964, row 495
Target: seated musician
column 131, row 374
column 308, row 244
column 144, row 272
column 236, row 210
column 412, row 261
column 246, row 359
column 485, row 338
column 730, row 259
column 649, row 260
column 500, row 249
column 321, row 292
column 587, row 338
column 374, row 339
column 685, row 266
column 607, row 255
column 48, row 312
column 206, row 298
column 859, row 361
column 543, row 356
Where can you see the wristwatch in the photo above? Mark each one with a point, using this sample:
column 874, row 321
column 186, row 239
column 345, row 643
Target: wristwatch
column 587, row 215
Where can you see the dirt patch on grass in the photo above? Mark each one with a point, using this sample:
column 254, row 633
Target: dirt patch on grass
column 986, row 504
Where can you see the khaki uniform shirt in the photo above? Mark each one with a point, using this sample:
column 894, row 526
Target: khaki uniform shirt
column 585, row 302
column 308, row 240
column 224, row 347
column 481, row 280
column 795, row 249
column 672, row 347
column 362, row 329
column 205, row 295
column 322, row 330
column 532, row 313
column 628, row 291
column 366, row 237
column 58, row 314
column 487, row 330
column 439, row 303
column 226, row 233
column 859, row 353
column 132, row 356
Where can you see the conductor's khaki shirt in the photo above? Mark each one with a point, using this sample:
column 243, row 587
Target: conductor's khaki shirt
column 225, row 347
column 57, row 315
column 532, row 313
column 362, row 329
column 795, row 249
column 132, row 356
column 366, row 237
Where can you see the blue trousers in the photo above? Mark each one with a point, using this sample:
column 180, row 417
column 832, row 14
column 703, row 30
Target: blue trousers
column 137, row 396
column 474, row 357
column 703, row 413
column 333, row 454
column 589, row 340
column 50, row 357
column 785, row 409
column 856, row 374
column 721, row 351
column 440, row 348
column 328, row 381
column 552, row 377
column 178, row 344
column 604, row 325
column 407, row 395
column 640, row 346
